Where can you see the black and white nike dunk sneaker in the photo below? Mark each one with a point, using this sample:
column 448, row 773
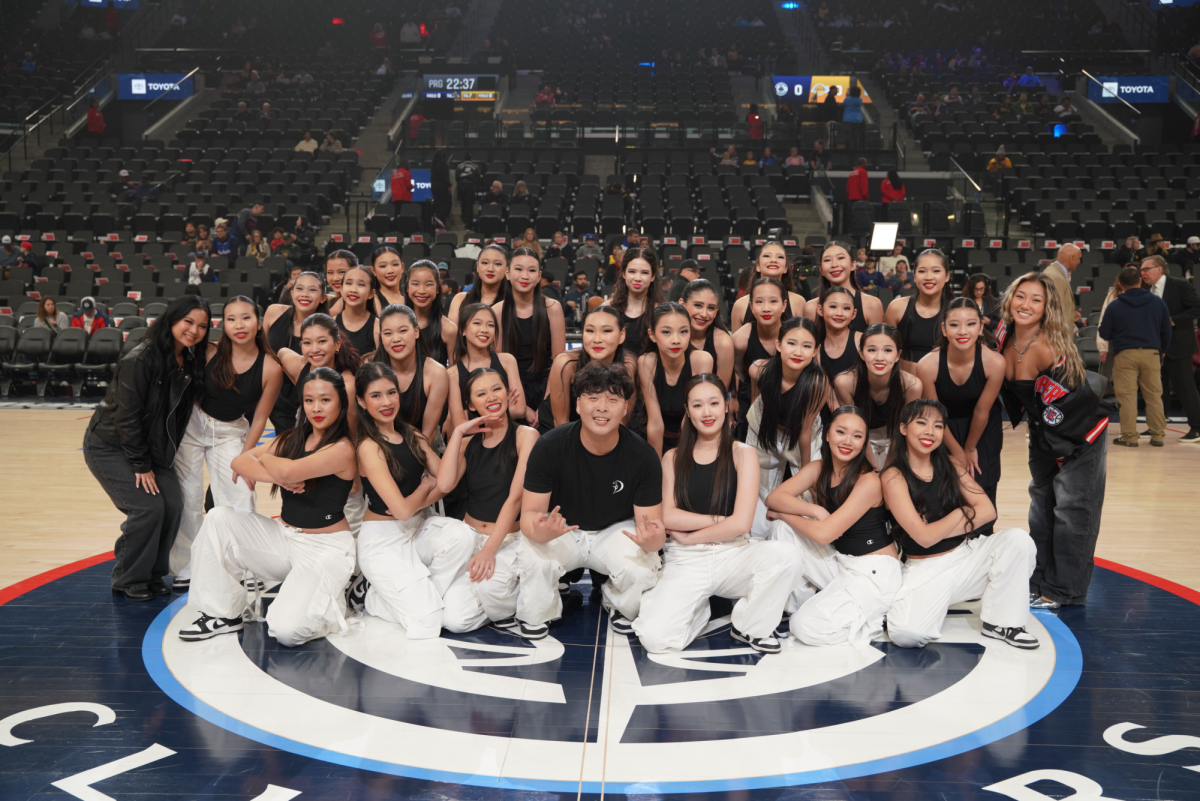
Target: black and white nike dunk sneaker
column 620, row 624
column 1016, row 636
column 765, row 645
column 253, row 584
column 564, row 587
column 530, row 631
column 785, row 627
column 356, row 593
column 207, row 627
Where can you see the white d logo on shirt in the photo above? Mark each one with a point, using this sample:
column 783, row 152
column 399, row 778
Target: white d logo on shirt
column 618, row 486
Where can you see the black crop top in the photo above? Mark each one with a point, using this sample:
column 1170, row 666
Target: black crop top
column 464, row 374
column 701, row 491
column 411, row 472
column 867, row 535
column 936, row 512
column 239, row 400
column 671, row 401
column 917, row 334
column 487, row 488
column 316, row 508
column 847, row 361
column 363, row 339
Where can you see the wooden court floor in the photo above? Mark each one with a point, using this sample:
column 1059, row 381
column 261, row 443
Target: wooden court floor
column 55, row 512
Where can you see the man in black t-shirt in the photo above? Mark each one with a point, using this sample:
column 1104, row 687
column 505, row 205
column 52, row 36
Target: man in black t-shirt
column 593, row 498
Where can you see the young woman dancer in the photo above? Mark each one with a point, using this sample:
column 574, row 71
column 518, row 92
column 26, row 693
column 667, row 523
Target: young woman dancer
column 839, row 343
column 665, row 367
column 709, row 331
column 422, row 292
column 756, row 340
column 240, row 387
column 283, row 331
column 130, row 443
column 603, row 338
column 1045, row 381
column 790, row 392
column 489, row 284
column 771, row 262
column 309, row 547
column 837, row 269
column 406, row 567
column 475, row 348
column 389, row 270
column 486, row 456
column 424, row 384
column 849, row 557
column 532, row 327
column 919, row 318
column 322, row 344
column 356, row 315
column 337, row 264
column 943, row 523
column 966, row 378
column 636, row 295
column 710, row 491
column 879, row 387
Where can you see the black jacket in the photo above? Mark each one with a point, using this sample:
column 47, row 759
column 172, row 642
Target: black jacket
column 142, row 416
column 1136, row 319
column 1184, row 306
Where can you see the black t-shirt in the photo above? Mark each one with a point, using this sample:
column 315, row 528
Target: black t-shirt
column 594, row 491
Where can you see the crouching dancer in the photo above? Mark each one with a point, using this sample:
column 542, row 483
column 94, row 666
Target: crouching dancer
column 586, row 484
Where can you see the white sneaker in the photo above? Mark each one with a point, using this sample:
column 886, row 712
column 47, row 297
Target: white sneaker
column 764, row 645
column 206, row 627
column 1016, row 636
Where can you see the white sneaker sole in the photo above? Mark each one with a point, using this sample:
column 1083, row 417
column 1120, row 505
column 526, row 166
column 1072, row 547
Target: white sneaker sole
column 209, row 635
column 1021, row 645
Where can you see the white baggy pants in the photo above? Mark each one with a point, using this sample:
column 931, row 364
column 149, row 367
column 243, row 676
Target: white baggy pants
column 207, row 439
column 852, row 593
column 410, row 566
column 997, row 567
column 471, row 604
column 356, row 508
column 758, row 573
column 773, row 464
column 314, row 569
column 630, row 570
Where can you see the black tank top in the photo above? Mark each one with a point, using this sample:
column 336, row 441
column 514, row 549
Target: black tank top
column 876, row 413
column 279, row 336
column 412, row 400
column 635, row 331
column 918, row 334
column 411, row 473
column 525, row 356
column 867, row 535
column 670, row 398
column 434, row 345
column 960, row 400
column 487, row 487
column 710, row 343
column 859, row 323
column 228, row 405
column 847, row 361
column 701, row 491
column 463, row 373
column 316, row 508
column 936, row 512
column 364, row 338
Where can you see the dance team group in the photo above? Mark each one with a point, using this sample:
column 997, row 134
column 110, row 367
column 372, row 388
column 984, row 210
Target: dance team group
column 829, row 466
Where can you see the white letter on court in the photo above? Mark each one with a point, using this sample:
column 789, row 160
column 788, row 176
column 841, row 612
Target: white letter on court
column 103, row 714
column 80, row 785
column 1113, row 735
column 273, row 793
column 1017, row 788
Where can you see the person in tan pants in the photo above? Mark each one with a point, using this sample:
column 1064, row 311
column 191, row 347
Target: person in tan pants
column 1138, row 328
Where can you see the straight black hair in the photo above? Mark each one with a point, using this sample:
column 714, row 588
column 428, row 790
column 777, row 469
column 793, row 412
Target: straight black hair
column 220, row 366
column 824, row 282
column 824, row 494
column 431, row 334
column 661, row 311
column 291, row 443
column 541, row 319
column 506, row 464
column 465, row 313
column 346, row 359
column 475, row 293
column 160, row 343
column 382, row 356
column 965, row 303
column 809, row 395
column 784, row 315
column 704, row 285
column 894, row 406
column 833, row 290
column 654, row 293
column 946, row 486
column 687, row 447
column 368, row 429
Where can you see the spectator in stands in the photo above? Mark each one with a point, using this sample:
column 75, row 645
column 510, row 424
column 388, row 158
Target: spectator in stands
column 29, row 63
column 1029, row 80
column 122, row 186
column 917, row 107
column 617, row 189
column 95, row 121
column 10, row 256
column 267, row 115
column 222, row 243
column 89, row 317
column 285, row 289
column 414, row 124
column 1011, row 81
column 545, row 98
column 857, row 184
column 979, row 289
column 852, row 116
column 1189, row 257
column 1023, row 107
column 200, row 271
column 975, row 98
column 937, row 108
column 548, row 288
column 1158, row 246
column 258, row 248
column 410, row 33
column 243, row 114
column 830, row 104
column 1184, row 307
column 614, row 262
column 256, row 86
column 48, row 316
column 689, row 270
column 384, row 68
column 892, row 189
column 331, row 144
column 869, row 277
column 402, row 183
column 1065, row 109
column 1131, row 251
column 749, row 160
column 754, row 122
column 577, row 297
column 1005, row 108
column 203, row 239
column 560, row 248
column 112, row 19
column 278, row 240
column 495, row 195
column 768, row 159
column 1045, row 109
column 145, row 190
column 301, row 245
column 521, row 195
column 378, row 38
column 729, row 157
column 1059, row 272
column 589, row 249
column 247, row 219
column 819, row 158
column 1000, row 161
column 794, row 158
column 1137, row 326
column 952, row 98
column 900, row 280
column 888, row 263
column 307, row 144
column 29, row 258
column 529, row 240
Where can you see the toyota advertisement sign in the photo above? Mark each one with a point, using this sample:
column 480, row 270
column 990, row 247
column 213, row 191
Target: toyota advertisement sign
column 148, row 86
column 1132, row 89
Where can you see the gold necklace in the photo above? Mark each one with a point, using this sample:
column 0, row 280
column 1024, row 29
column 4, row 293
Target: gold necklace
column 1017, row 347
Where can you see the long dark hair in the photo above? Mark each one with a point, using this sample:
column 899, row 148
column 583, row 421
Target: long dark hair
column 947, row 289
column 808, row 397
column 833, row 290
column 323, row 306
column 475, row 293
column 220, row 366
column 291, row 443
column 946, row 486
column 862, row 383
column 383, row 357
column 894, row 179
column 687, row 446
column 160, row 344
column 661, row 311
column 506, row 462
column 824, row 282
column 346, row 358
column 368, row 429
column 787, row 273
column 784, row 315
column 431, row 334
column 824, row 494
column 704, row 285
column 654, row 294
column 541, row 319
column 969, row 287
column 585, row 358
column 985, row 335
column 465, row 313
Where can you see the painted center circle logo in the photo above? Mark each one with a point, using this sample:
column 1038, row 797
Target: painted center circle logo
column 487, row 708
